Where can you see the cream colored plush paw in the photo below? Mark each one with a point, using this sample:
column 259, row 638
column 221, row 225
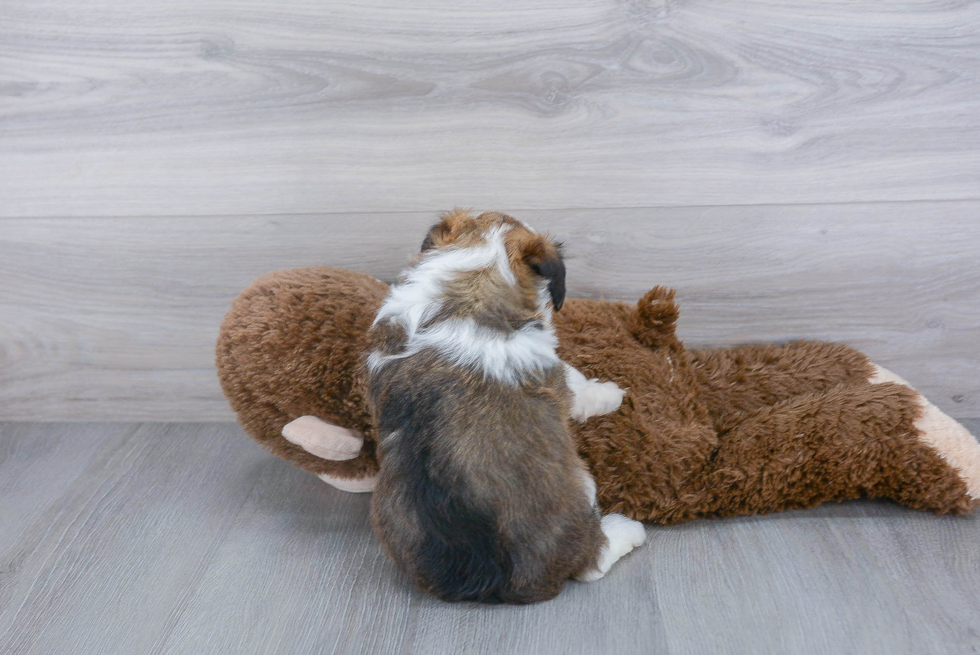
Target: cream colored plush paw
column 325, row 440
column 944, row 434
column 622, row 536
column 361, row 485
column 332, row 442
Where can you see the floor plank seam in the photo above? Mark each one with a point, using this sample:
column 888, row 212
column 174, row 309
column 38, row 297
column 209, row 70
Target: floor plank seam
column 515, row 210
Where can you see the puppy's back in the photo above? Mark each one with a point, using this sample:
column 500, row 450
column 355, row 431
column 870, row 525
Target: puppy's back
column 478, row 496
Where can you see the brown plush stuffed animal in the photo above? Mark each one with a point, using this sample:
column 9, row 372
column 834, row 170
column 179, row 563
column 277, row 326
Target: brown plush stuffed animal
column 723, row 432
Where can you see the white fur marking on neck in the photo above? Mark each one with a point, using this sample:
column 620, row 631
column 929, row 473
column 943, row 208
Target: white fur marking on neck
column 419, row 295
column 504, row 357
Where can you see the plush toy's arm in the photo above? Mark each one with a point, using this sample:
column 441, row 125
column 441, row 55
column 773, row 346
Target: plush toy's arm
column 330, row 442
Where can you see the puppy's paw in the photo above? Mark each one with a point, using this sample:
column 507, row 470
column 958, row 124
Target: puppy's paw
column 622, row 536
column 595, row 398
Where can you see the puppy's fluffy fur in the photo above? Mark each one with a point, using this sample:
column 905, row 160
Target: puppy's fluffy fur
column 481, row 495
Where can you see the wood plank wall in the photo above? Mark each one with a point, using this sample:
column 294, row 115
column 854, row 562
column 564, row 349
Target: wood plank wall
column 794, row 168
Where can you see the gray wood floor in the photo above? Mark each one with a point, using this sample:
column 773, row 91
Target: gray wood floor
column 187, row 538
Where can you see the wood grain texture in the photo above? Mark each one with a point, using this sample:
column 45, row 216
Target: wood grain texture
column 116, row 319
column 106, row 567
column 182, row 107
column 186, row 538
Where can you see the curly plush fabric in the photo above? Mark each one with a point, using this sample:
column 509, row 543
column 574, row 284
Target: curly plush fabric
column 724, row 432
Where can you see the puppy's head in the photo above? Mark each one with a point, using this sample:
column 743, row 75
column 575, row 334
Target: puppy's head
column 533, row 258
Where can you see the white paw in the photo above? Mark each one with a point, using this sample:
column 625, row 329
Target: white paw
column 595, row 398
column 622, row 535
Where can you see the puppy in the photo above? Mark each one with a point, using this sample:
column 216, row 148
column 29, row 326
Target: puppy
column 481, row 495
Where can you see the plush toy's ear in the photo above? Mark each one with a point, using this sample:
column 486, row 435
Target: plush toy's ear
column 447, row 229
column 544, row 258
column 655, row 318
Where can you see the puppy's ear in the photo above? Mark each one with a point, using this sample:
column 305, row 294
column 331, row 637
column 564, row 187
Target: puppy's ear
column 428, row 243
column 447, row 229
column 544, row 258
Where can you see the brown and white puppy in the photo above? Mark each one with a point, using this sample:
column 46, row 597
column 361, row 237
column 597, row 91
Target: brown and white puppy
column 481, row 494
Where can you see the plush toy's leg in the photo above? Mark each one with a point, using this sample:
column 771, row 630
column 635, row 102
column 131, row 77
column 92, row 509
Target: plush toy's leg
column 735, row 381
column 947, row 437
column 330, row 442
column 591, row 397
column 849, row 442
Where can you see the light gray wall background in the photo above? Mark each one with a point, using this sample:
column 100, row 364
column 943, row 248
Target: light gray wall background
column 794, row 168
